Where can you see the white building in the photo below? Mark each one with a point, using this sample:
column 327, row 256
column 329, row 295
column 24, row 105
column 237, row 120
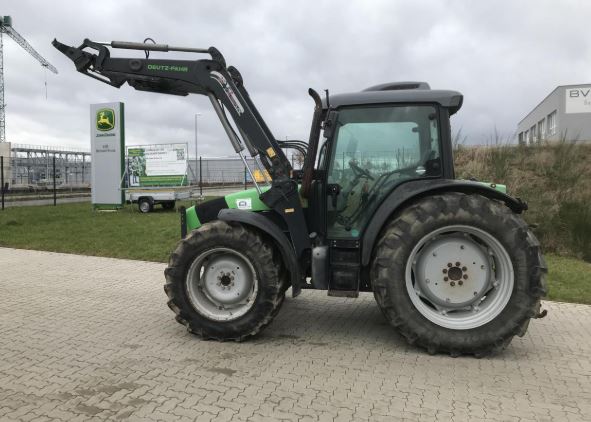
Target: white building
column 565, row 112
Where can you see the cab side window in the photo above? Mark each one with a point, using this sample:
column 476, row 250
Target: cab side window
column 375, row 149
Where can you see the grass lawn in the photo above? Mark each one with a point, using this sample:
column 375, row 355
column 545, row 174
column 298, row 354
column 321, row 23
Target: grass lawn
column 75, row 228
column 569, row 279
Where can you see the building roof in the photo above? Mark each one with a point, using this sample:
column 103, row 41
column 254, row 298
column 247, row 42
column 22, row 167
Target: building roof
column 546, row 97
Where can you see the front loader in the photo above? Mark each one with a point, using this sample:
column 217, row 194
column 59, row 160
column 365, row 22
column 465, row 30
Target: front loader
column 375, row 208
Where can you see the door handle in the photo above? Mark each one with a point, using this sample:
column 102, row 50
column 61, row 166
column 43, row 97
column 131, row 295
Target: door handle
column 333, row 190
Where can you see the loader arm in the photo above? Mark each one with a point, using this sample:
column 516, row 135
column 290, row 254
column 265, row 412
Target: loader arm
column 225, row 88
column 183, row 77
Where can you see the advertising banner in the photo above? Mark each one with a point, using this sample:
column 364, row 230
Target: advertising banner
column 107, row 143
column 157, row 165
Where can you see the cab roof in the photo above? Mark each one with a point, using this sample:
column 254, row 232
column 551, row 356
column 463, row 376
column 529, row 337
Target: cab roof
column 398, row 92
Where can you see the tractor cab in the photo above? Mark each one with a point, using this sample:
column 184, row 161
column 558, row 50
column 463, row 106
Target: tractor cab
column 374, row 141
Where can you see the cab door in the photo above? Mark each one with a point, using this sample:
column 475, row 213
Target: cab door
column 373, row 150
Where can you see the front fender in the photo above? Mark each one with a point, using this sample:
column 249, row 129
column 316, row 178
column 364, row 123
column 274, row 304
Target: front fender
column 412, row 190
column 269, row 227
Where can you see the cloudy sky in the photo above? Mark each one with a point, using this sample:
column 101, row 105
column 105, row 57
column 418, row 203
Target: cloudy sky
column 504, row 56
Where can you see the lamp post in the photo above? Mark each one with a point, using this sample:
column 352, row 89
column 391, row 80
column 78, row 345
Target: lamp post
column 196, row 151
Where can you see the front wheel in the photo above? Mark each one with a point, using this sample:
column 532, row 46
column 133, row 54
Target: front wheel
column 460, row 274
column 224, row 281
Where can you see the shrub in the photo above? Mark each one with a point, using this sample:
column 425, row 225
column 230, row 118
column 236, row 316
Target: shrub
column 555, row 180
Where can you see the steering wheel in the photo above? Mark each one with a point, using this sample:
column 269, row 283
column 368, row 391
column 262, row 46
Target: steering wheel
column 360, row 171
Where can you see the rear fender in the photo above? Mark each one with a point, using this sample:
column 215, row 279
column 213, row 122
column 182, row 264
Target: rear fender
column 405, row 193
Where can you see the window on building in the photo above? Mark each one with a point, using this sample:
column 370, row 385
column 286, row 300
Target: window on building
column 541, row 130
column 533, row 135
column 526, row 137
column 520, row 138
column 551, row 123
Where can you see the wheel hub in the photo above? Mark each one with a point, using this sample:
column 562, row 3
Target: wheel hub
column 453, row 271
column 225, row 280
column 221, row 284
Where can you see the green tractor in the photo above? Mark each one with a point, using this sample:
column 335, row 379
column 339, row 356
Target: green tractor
column 375, row 208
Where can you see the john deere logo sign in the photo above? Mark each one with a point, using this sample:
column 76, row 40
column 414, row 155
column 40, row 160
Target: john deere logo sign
column 105, row 119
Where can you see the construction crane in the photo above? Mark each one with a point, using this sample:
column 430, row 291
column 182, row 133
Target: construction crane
column 6, row 28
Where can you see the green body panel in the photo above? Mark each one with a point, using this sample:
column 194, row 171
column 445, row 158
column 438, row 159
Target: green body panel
column 500, row 188
column 257, row 205
column 192, row 219
column 247, row 200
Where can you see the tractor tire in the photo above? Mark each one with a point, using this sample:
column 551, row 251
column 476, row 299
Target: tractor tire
column 458, row 274
column 224, row 281
column 285, row 284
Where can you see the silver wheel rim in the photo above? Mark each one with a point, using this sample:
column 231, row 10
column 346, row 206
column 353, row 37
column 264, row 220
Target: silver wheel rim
column 221, row 284
column 459, row 277
column 144, row 206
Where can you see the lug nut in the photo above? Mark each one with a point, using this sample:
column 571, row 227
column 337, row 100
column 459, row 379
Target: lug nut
column 465, row 276
column 464, row 269
column 445, row 278
column 452, row 284
column 460, row 282
column 458, row 264
column 444, row 271
column 449, row 264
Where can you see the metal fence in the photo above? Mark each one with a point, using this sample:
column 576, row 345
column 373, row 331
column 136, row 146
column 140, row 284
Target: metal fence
column 33, row 172
column 31, row 167
column 225, row 170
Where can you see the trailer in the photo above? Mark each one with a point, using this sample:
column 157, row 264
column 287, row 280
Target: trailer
column 146, row 198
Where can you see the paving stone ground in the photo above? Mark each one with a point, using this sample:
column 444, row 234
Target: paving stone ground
column 86, row 338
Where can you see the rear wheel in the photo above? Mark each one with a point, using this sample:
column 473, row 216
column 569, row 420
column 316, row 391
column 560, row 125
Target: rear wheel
column 458, row 274
column 224, row 281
